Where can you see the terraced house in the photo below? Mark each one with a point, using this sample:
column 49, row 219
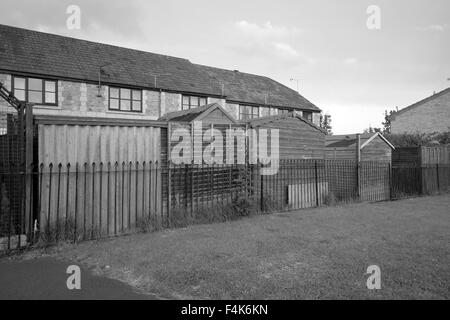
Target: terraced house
column 76, row 78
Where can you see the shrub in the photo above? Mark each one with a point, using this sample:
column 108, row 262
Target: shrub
column 239, row 206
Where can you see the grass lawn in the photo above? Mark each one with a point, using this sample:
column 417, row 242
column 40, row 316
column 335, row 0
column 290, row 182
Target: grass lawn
column 319, row 253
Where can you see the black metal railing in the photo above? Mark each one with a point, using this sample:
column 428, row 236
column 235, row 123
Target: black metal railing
column 74, row 202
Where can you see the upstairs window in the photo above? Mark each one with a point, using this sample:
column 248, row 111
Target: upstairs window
column 34, row 90
column 307, row 115
column 248, row 112
column 273, row 111
column 190, row 102
column 122, row 99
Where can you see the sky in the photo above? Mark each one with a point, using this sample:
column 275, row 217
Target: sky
column 347, row 69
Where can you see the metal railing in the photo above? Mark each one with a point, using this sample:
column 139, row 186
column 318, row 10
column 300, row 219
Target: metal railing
column 89, row 201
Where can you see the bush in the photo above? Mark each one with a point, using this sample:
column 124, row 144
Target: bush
column 418, row 139
column 240, row 206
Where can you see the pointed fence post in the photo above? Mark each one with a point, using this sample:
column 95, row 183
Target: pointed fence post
column 317, row 182
column 358, row 166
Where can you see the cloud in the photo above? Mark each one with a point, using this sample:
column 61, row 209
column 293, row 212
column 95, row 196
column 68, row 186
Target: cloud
column 350, row 61
column 268, row 42
column 98, row 18
column 266, row 31
column 434, row 27
column 285, row 48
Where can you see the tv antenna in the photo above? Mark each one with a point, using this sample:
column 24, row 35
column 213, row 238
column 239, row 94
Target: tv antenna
column 297, row 80
column 156, row 75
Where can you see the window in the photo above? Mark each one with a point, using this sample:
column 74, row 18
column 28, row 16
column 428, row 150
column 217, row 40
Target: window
column 122, row 99
column 283, row 111
column 248, row 112
column 34, row 90
column 190, row 102
column 307, row 115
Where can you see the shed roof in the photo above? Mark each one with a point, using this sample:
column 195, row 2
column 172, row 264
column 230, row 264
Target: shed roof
column 269, row 119
column 349, row 140
column 195, row 114
column 39, row 53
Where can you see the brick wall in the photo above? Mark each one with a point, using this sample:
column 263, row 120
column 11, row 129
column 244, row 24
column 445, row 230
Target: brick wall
column 431, row 116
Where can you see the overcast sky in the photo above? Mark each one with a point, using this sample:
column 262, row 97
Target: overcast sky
column 344, row 68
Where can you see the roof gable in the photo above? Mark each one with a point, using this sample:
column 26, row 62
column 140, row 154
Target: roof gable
column 203, row 114
column 349, row 140
column 419, row 103
column 244, row 87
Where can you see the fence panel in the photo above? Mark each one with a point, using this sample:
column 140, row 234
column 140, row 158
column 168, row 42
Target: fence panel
column 406, row 181
column 13, row 219
column 374, row 181
column 95, row 200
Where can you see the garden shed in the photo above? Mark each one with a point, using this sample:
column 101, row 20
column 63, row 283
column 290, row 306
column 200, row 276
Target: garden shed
column 209, row 117
column 369, row 147
column 300, row 181
column 299, row 138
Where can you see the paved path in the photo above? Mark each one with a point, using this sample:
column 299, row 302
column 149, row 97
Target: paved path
column 45, row 278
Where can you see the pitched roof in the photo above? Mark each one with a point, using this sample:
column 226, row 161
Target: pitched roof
column 268, row 119
column 195, row 114
column 245, row 87
column 46, row 54
column 414, row 105
column 349, row 140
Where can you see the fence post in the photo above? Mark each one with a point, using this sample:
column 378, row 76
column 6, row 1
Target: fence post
column 261, row 177
column 437, row 177
column 192, row 189
column 169, row 195
column 390, row 180
column 358, row 166
column 186, row 171
column 317, row 182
